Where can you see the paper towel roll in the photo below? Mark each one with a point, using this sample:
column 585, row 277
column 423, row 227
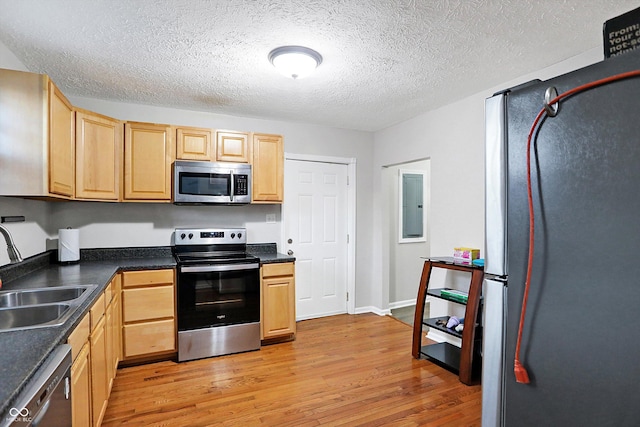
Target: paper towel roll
column 68, row 244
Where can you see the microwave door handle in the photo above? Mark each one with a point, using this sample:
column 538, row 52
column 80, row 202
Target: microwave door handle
column 232, row 186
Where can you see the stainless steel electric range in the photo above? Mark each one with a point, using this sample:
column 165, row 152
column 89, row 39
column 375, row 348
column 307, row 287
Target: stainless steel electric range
column 218, row 293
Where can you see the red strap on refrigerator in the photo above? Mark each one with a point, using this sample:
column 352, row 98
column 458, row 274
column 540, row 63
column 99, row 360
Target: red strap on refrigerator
column 522, row 376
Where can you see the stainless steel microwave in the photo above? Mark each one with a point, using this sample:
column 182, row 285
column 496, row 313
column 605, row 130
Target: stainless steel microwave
column 211, row 183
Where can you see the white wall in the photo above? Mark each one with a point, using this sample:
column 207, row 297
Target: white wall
column 405, row 262
column 453, row 138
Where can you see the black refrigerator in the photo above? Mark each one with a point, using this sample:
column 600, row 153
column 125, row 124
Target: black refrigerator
column 580, row 340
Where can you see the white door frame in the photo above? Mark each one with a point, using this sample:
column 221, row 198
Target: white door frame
column 351, row 217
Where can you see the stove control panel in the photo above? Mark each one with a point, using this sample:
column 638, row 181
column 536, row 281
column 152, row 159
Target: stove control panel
column 209, row 236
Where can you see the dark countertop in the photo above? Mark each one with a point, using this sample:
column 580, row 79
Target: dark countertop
column 268, row 253
column 270, row 258
column 24, row 351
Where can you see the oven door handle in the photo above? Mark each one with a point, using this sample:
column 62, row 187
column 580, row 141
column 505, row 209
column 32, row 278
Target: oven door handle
column 216, row 268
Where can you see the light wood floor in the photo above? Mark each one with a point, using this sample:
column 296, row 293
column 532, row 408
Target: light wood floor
column 340, row 371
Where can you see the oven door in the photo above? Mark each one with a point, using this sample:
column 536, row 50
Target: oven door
column 218, row 295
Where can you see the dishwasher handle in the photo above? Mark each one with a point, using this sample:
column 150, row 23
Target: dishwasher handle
column 43, row 411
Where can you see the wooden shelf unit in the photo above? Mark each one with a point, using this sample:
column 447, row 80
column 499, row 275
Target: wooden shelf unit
column 463, row 360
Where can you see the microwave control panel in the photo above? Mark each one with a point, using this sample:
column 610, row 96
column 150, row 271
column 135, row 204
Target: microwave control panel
column 241, row 185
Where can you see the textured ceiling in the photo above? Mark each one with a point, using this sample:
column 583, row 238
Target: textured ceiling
column 385, row 61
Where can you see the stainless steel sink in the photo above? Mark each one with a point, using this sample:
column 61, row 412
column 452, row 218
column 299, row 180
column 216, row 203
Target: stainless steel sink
column 41, row 296
column 38, row 308
column 29, row 316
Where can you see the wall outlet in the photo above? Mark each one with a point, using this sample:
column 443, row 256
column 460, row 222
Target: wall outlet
column 271, row 218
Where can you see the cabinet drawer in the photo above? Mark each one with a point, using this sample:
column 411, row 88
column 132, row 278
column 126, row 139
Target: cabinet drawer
column 148, row 303
column 278, row 269
column 79, row 336
column 146, row 278
column 149, row 337
column 97, row 311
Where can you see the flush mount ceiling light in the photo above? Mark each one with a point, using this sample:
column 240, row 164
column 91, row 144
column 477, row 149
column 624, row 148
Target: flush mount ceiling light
column 295, row 61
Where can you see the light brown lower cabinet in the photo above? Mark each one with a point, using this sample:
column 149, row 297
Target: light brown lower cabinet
column 95, row 345
column 128, row 324
column 148, row 314
column 278, row 314
column 145, row 339
column 81, row 374
column 99, row 380
column 113, row 328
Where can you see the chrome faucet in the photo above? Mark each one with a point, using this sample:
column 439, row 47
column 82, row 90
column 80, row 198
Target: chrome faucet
column 14, row 253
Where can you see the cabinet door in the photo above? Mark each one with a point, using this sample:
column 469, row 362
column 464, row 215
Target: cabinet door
column 268, row 168
column 193, row 144
column 278, row 306
column 148, row 154
column 61, row 143
column 117, row 321
column 232, row 147
column 81, row 389
column 109, row 351
column 79, row 337
column 98, row 372
column 98, row 156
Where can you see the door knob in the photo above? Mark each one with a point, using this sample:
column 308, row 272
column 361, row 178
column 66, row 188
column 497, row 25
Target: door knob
column 290, row 241
column 289, row 252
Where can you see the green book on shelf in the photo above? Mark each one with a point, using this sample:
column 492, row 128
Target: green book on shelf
column 455, row 295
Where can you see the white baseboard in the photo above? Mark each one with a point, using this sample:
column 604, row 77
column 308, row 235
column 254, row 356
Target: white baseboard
column 372, row 309
column 317, row 315
column 400, row 304
column 358, row 310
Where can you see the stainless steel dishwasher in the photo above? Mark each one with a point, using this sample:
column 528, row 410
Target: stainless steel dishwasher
column 46, row 399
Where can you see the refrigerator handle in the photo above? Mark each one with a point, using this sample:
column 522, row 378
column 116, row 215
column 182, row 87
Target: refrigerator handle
column 495, row 186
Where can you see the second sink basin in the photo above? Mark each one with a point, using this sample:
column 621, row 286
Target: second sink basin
column 41, row 296
column 25, row 317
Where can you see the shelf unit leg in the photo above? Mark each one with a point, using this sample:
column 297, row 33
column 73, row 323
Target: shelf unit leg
column 419, row 312
column 469, row 332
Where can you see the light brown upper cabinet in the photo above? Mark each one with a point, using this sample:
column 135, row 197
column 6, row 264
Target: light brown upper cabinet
column 194, row 144
column 232, row 146
column 61, row 143
column 37, row 137
column 98, row 156
column 148, row 154
column 268, row 168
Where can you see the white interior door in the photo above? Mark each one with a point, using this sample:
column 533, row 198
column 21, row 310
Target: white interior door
column 315, row 210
